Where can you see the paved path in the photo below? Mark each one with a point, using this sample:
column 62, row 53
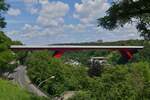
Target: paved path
column 20, row 76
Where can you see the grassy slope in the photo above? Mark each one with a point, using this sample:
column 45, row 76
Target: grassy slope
column 9, row 91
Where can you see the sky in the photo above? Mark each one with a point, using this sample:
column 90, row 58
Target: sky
column 61, row 21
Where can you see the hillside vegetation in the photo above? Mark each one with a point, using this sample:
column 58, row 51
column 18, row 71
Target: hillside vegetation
column 9, row 91
column 6, row 55
column 130, row 81
column 117, row 81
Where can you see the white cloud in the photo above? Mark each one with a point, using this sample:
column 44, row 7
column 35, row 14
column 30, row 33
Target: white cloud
column 31, row 6
column 31, row 31
column 50, row 20
column 13, row 32
column 52, row 13
column 50, row 23
column 14, row 12
column 43, row 1
column 32, row 10
column 30, row 1
column 78, row 28
column 89, row 10
column 31, row 27
column 129, row 31
column 36, row 1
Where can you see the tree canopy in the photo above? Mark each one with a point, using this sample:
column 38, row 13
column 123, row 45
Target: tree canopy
column 117, row 82
column 128, row 11
column 3, row 8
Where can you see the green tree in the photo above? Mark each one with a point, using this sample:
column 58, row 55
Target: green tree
column 20, row 55
column 9, row 91
column 82, row 95
column 3, row 8
column 128, row 11
column 6, row 55
column 53, row 76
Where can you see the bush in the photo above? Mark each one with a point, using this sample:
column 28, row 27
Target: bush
column 10, row 91
column 6, row 55
column 130, row 81
column 125, row 82
column 145, row 54
column 82, row 95
column 53, row 76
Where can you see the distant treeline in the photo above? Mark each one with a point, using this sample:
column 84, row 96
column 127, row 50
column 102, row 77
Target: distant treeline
column 121, row 42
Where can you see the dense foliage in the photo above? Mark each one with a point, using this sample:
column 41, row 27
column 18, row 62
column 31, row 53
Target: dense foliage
column 53, row 76
column 122, row 82
column 8, row 58
column 145, row 54
column 8, row 61
column 9, row 91
column 128, row 11
column 20, row 55
column 114, row 57
column 116, row 82
column 6, row 55
column 126, row 82
column 3, row 8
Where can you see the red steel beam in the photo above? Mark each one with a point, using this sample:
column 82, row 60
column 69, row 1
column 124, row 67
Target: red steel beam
column 58, row 54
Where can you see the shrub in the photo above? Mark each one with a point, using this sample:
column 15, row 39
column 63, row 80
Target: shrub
column 6, row 55
column 125, row 82
column 82, row 95
column 10, row 91
column 53, row 76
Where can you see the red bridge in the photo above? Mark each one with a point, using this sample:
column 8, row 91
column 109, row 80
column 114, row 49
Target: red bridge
column 126, row 51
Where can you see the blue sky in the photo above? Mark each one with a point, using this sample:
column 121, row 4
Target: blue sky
column 61, row 21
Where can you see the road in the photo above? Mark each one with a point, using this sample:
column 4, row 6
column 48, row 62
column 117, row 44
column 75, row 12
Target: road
column 20, row 77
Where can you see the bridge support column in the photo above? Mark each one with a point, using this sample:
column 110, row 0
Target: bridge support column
column 127, row 53
column 58, row 54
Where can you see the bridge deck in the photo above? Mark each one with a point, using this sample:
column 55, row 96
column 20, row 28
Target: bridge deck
column 73, row 47
column 126, row 51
